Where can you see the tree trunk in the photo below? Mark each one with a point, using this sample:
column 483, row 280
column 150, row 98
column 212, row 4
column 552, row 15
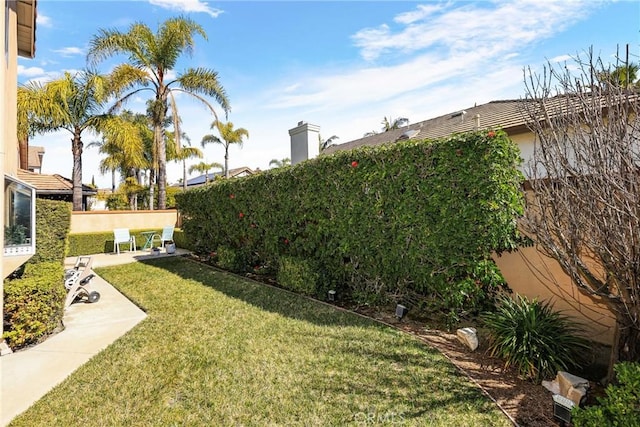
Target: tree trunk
column 76, row 176
column 226, row 162
column 23, row 143
column 184, row 174
column 152, row 180
column 626, row 344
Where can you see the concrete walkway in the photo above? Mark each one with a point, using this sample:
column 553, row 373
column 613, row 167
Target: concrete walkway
column 29, row 374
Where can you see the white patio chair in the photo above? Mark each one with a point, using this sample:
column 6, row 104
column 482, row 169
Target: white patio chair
column 121, row 235
column 167, row 235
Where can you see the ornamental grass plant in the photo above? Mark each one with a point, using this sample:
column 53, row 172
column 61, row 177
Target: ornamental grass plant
column 534, row 339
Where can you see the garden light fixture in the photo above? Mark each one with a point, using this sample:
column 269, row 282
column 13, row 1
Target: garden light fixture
column 401, row 311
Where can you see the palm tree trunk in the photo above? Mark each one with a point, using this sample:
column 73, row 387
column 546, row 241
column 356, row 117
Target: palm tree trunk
column 76, row 176
column 184, row 174
column 23, row 143
column 113, row 180
column 226, row 162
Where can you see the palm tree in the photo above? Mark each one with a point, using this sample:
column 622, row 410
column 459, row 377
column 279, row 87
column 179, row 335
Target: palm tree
column 183, row 154
column 228, row 136
column 280, row 163
column 623, row 76
column 325, row 143
column 151, row 57
column 204, row 168
column 124, row 146
column 72, row 103
column 390, row 124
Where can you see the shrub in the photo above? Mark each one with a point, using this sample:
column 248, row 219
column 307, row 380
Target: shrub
column 534, row 339
column 102, row 242
column 414, row 217
column 34, row 304
column 297, row 275
column 621, row 404
column 231, row 259
column 53, row 221
column 34, row 297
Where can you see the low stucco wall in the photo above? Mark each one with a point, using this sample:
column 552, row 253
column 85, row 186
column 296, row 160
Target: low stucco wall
column 532, row 274
column 95, row 221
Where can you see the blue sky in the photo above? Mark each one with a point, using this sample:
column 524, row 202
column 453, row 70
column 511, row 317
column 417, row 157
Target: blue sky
column 340, row 65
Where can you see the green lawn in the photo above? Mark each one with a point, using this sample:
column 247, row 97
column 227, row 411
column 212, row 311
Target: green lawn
column 218, row 350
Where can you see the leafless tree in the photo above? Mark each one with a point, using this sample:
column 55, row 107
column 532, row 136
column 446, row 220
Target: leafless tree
column 583, row 207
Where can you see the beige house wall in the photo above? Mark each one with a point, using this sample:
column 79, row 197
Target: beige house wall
column 97, row 221
column 532, row 274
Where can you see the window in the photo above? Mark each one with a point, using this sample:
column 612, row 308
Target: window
column 19, row 218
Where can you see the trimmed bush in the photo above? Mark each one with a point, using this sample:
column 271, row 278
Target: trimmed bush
column 535, row 340
column 230, row 259
column 297, row 275
column 413, row 218
column 53, row 220
column 34, row 296
column 102, row 242
column 621, row 404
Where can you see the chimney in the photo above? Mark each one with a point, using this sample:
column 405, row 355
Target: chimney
column 476, row 118
column 304, row 142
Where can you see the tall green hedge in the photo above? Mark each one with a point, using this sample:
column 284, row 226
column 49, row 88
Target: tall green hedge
column 34, row 296
column 414, row 218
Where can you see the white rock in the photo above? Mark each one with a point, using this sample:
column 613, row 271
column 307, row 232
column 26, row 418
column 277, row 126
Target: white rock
column 552, row 386
column 468, row 337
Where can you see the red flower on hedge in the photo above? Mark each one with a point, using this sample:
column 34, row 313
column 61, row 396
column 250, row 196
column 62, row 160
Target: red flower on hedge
column 232, row 196
column 491, row 134
column 240, row 215
column 354, row 164
column 286, row 241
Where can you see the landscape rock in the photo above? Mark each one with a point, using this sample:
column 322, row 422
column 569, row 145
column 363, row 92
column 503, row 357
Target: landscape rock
column 567, row 381
column 577, row 394
column 468, row 337
column 552, row 386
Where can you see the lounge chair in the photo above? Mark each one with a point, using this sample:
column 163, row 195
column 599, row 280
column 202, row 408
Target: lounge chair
column 77, row 281
column 121, row 235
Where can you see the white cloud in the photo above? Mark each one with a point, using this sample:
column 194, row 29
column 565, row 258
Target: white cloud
column 187, row 6
column 69, row 51
column 43, row 20
column 561, row 59
column 29, row 72
column 462, row 28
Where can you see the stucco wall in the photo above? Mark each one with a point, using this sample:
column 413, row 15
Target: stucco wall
column 95, row 221
column 532, row 274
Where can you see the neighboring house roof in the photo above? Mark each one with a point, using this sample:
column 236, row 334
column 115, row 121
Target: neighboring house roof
column 35, row 157
column 233, row 173
column 26, row 11
column 510, row 115
column 52, row 184
column 505, row 114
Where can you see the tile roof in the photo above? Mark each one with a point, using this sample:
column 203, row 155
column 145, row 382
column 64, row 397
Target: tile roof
column 51, row 184
column 510, row 115
column 506, row 114
column 199, row 180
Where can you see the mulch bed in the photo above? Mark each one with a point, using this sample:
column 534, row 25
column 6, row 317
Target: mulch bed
column 527, row 404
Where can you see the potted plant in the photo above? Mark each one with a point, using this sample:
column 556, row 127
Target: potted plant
column 170, row 246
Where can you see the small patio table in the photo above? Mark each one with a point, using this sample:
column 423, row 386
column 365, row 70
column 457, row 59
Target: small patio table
column 149, row 236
